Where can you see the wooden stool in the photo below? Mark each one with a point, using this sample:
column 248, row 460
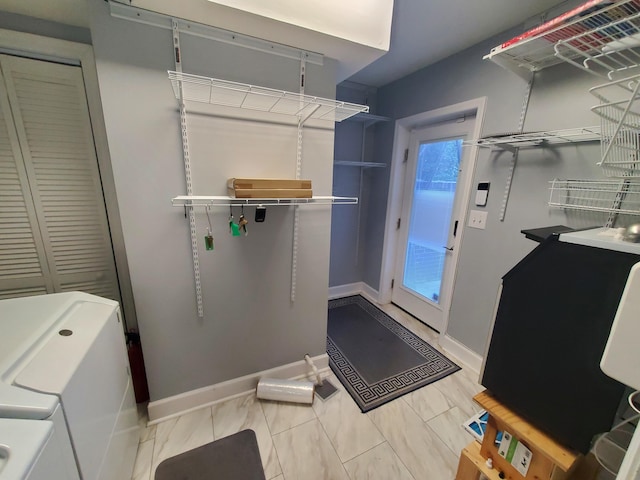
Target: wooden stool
column 549, row 461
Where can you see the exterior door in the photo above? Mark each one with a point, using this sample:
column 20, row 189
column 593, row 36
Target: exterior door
column 431, row 218
column 54, row 234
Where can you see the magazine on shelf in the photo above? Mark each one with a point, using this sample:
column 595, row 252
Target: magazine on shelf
column 585, row 8
column 591, row 15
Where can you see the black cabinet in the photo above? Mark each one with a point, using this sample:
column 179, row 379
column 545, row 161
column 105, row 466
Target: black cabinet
column 552, row 323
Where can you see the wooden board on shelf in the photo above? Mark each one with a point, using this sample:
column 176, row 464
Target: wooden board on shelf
column 270, row 192
column 520, row 428
column 472, row 464
column 267, row 183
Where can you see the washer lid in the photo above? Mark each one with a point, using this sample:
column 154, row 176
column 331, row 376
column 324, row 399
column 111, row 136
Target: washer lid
column 21, row 442
column 24, row 321
column 54, row 365
column 20, row 403
column 27, row 322
column 601, row 238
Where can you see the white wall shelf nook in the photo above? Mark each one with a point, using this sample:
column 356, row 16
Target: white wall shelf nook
column 367, row 120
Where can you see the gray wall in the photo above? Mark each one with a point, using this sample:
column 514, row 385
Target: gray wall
column 46, row 28
column 249, row 323
column 560, row 99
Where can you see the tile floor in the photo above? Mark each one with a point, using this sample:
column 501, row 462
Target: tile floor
column 417, row 436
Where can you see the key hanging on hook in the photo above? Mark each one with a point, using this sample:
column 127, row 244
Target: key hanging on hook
column 234, row 228
column 242, row 222
column 208, row 238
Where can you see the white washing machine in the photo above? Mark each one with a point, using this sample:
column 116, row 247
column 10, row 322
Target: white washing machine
column 30, row 450
column 63, row 360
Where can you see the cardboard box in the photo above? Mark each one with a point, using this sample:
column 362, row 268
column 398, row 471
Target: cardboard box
column 270, row 192
column 267, row 183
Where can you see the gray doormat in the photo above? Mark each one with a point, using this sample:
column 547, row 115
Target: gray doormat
column 234, row 457
column 377, row 359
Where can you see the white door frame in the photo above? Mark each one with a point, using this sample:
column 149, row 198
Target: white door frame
column 39, row 47
column 403, row 129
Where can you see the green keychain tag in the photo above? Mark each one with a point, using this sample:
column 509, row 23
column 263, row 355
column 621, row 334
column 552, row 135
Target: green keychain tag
column 208, row 242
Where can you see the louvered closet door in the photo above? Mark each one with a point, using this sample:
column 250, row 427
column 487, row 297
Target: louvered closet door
column 23, row 266
column 49, row 110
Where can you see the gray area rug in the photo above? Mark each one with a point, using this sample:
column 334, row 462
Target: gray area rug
column 375, row 358
column 234, row 457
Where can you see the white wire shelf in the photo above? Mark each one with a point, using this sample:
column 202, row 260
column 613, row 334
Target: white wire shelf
column 368, row 118
column 608, row 196
column 619, row 112
column 214, row 91
column 609, row 46
column 596, row 36
column 537, row 139
column 222, row 201
column 346, row 163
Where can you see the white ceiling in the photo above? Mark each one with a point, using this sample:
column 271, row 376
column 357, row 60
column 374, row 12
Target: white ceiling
column 423, row 31
column 426, row 31
column 71, row 12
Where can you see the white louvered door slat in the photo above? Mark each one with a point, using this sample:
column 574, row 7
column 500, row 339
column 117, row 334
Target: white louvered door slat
column 23, row 267
column 54, row 132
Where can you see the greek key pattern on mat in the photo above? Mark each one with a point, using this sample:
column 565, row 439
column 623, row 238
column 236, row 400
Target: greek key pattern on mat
column 435, row 366
column 419, row 345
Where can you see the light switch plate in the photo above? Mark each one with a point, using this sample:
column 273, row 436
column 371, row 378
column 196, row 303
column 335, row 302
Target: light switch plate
column 478, row 219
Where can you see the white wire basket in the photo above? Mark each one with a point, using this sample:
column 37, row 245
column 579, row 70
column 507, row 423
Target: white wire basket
column 619, row 112
column 620, row 197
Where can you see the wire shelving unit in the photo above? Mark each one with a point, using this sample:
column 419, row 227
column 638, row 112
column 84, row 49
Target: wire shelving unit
column 214, row 91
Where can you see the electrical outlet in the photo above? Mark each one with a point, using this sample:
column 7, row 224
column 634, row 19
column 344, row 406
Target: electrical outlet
column 478, row 219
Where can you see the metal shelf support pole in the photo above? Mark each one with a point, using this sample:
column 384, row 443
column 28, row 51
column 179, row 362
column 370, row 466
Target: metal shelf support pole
column 187, row 171
column 296, row 213
column 514, row 160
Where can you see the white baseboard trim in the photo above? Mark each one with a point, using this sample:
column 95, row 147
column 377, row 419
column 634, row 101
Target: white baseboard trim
column 349, row 289
column 461, row 353
column 371, row 293
column 176, row 405
column 358, row 288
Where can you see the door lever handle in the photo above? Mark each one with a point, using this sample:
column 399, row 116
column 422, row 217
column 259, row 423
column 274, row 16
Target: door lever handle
column 448, row 248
